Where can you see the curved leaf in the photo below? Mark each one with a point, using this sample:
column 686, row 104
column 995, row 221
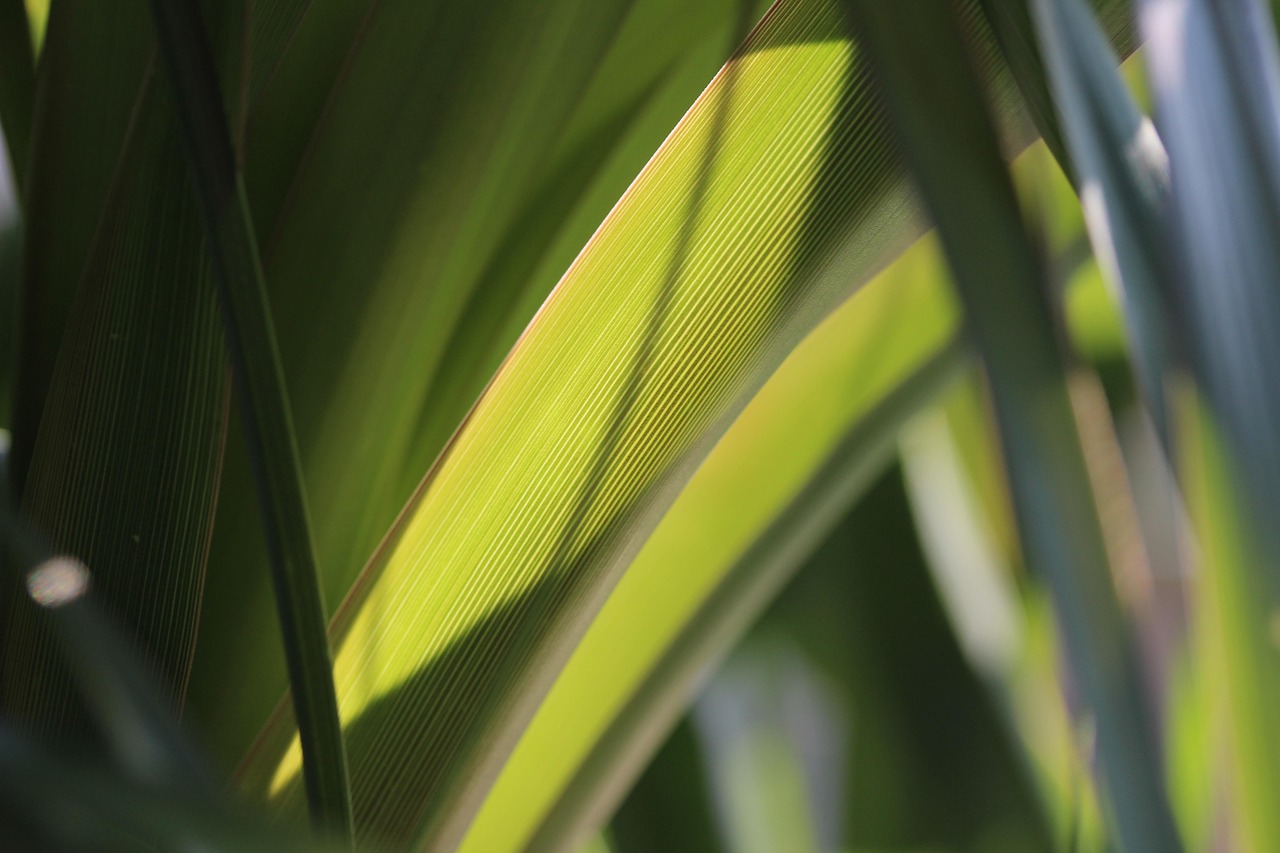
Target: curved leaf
column 384, row 359
column 785, row 201
column 826, row 422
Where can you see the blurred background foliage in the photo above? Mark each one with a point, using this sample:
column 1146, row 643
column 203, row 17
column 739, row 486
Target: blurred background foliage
column 690, row 457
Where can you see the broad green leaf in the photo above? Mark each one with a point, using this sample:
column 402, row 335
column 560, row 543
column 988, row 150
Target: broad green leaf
column 384, row 359
column 938, row 109
column 782, row 207
column 1238, row 656
column 128, row 487
column 737, row 533
column 116, row 296
column 92, row 67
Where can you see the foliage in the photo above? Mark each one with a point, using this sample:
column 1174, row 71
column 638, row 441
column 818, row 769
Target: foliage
column 535, row 358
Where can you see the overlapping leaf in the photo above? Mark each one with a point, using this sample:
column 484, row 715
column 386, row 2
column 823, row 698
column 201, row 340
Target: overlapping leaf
column 1238, row 666
column 426, row 222
column 519, row 531
column 122, row 396
column 739, row 530
column 1215, row 76
column 923, row 63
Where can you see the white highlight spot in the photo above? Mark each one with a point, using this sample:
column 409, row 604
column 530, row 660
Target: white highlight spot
column 58, row 581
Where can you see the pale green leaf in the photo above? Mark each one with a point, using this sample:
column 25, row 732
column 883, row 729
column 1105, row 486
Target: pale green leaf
column 1236, row 640
column 390, row 330
column 783, row 206
column 738, row 531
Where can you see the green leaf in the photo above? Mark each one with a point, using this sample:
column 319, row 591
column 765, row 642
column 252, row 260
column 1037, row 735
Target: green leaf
column 92, row 68
column 264, row 404
column 116, row 295
column 127, row 485
column 518, row 533
column 17, row 87
column 1215, row 74
column 1237, row 653
column 938, row 109
column 1123, row 179
column 392, row 315
column 737, row 533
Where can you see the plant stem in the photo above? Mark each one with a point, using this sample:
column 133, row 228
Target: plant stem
column 264, row 405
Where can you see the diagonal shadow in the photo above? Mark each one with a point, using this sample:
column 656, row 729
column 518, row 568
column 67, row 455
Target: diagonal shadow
column 418, row 781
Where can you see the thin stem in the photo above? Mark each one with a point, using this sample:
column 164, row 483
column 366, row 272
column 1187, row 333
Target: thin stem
column 264, row 405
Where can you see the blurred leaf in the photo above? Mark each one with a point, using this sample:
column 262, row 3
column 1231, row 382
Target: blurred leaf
column 669, row 808
column 17, row 87
column 1239, row 648
column 937, row 104
column 54, row 805
column 1215, row 74
column 921, row 757
column 932, row 762
column 760, row 722
column 1123, row 177
column 139, row 732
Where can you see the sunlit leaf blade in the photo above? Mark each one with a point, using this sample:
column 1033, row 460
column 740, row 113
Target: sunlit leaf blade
column 1123, row 182
column 576, row 740
column 737, row 533
column 478, row 240
column 17, row 86
column 1238, row 654
column 938, row 109
column 1215, row 75
column 517, row 533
